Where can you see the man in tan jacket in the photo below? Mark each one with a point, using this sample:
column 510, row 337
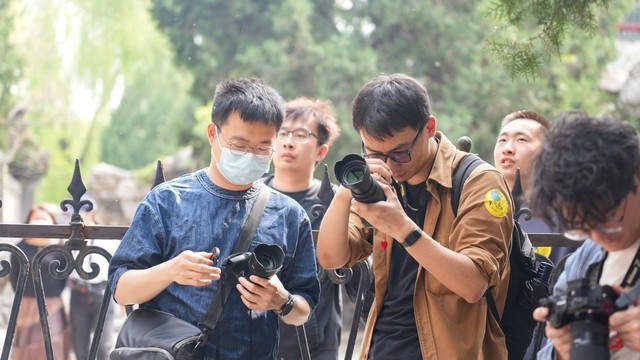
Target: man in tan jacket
column 431, row 268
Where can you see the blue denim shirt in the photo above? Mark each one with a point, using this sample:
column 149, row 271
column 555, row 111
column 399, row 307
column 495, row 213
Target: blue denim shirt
column 575, row 268
column 192, row 213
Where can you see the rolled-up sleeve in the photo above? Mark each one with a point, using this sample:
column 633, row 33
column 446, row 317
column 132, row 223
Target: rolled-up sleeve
column 141, row 246
column 360, row 240
column 484, row 225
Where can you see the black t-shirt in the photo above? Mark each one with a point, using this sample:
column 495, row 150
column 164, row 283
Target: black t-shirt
column 323, row 332
column 308, row 199
column 395, row 335
column 52, row 287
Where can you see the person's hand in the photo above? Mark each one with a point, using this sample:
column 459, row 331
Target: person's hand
column 561, row 338
column 193, row 268
column 262, row 294
column 627, row 324
column 386, row 216
column 380, row 170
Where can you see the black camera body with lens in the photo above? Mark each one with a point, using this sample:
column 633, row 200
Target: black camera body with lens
column 354, row 174
column 264, row 261
column 587, row 306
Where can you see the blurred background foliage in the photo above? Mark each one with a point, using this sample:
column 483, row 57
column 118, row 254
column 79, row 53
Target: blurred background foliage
column 131, row 82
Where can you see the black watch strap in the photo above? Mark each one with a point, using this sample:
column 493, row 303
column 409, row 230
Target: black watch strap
column 412, row 238
column 287, row 307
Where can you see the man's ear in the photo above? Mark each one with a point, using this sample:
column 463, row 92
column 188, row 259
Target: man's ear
column 431, row 126
column 322, row 152
column 212, row 129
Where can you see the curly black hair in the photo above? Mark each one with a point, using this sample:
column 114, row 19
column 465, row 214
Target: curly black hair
column 586, row 167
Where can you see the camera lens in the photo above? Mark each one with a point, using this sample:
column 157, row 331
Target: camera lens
column 354, row 174
column 590, row 337
column 266, row 261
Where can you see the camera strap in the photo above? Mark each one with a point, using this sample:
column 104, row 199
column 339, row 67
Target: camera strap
column 630, row 278
column 242, row 245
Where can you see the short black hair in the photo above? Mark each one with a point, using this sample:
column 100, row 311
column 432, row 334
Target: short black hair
column 526, row 115
column 584, row 170
column 253, row 98
column 390, row 103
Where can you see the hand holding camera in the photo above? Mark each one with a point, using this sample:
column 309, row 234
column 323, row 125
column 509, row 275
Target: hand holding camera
column 254, row 275
column 588, row 308
column 354, row 173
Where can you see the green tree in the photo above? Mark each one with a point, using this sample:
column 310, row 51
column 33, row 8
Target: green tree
column 150, row 122
column 547, row 25
column 444, row 44
column 79, row 58
column 155, row 115
column 330, row 49
column 10, row 66
column 296, row 45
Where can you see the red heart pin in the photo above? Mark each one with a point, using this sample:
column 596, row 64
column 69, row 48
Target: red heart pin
column 383, row 245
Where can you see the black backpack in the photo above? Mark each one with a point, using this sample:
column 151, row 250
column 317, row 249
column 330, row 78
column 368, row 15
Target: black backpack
column 529, row 281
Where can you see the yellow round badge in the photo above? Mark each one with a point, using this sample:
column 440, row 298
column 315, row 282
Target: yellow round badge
column 496, row 203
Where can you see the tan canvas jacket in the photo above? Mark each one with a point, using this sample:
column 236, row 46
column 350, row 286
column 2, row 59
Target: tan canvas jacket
column 448, row 326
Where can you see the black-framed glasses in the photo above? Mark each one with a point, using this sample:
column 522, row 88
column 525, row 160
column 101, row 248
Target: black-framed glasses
column 300, row 135
column 611, row 226
column 397, row 156
column 241, row 149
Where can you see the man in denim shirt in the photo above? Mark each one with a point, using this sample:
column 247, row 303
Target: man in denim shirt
column 587, row 177
column 164, row 260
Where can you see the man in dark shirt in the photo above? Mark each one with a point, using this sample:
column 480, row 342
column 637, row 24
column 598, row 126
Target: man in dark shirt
column 520, row 138
column 431, row 267
column 308, row 130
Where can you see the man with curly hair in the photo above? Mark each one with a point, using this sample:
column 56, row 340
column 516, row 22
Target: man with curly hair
column 587, row 177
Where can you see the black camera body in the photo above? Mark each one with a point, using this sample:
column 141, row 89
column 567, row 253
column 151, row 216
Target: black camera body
column 265, row 261
column 353, row 173
column 582, row 300
column 587, row 306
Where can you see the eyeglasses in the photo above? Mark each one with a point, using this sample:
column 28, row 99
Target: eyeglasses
column 397, row 156
column 300, row 136
column 239, row 150
column 611, row 226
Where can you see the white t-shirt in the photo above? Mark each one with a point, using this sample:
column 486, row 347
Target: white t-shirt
column 614, row 270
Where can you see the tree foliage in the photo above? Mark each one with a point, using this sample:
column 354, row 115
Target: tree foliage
column 107, row 88
column 330, row 49
column 10, row 66
column 294, row 44
column 546, row 25
column 80, row 57
column 151, row 120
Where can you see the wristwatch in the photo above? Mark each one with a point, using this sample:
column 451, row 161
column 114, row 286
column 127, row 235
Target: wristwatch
column 412, row 238
column 287, row 307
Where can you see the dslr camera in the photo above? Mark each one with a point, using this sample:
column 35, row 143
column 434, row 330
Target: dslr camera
column 264, row 261
column 587, row 307
column 354, row 174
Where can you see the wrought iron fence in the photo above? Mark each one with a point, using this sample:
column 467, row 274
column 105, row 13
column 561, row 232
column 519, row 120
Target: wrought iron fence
column 78, row 234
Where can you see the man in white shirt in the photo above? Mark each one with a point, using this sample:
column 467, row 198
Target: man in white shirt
column 587, row 177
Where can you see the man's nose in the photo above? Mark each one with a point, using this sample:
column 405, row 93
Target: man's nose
column 508, row 148
column 287, row 140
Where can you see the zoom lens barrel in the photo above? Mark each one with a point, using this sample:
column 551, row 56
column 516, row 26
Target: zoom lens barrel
column 265, row 261
column 354, row 174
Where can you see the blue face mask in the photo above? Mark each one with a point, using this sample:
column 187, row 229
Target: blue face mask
column 242, row 169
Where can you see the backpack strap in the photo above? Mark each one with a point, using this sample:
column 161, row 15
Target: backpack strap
column 466, row 167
